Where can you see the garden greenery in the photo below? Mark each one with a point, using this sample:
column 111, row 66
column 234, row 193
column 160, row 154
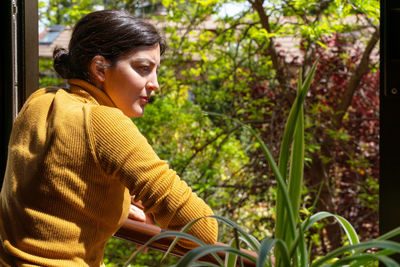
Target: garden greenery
column 289, row 246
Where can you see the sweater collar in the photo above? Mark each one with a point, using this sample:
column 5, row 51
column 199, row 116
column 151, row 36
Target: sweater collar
column 97, row 95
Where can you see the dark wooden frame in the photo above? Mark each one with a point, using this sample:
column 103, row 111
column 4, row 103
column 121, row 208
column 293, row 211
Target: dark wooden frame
column 6, row 80
column 28, row 48
column 26, row 80
column 389, row 183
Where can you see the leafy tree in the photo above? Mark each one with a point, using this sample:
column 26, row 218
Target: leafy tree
column 65, row 12
column 237, row 67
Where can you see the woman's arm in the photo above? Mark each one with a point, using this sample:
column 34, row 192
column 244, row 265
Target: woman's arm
column 124, row 153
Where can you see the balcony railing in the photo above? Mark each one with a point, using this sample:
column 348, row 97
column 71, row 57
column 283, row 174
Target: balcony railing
column 139, row 233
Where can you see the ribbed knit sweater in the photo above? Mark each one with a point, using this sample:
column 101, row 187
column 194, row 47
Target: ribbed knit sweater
column 74, row 160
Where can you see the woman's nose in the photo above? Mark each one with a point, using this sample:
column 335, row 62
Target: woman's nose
column 152, row 85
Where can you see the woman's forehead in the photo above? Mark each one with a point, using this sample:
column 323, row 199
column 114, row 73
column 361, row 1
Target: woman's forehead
column 145, row 53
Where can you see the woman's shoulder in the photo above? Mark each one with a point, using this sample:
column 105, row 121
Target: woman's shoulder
column 39, row 98
column 45, row 91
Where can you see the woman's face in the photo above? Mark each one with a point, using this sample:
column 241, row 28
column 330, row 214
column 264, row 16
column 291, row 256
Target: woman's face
column 130, row 81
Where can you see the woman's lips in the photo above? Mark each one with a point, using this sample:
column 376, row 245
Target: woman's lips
column 144, row 100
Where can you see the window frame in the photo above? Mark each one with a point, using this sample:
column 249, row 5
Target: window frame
column 26, row 82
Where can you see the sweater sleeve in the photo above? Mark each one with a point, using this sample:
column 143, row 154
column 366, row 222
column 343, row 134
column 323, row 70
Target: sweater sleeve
column 124, row 153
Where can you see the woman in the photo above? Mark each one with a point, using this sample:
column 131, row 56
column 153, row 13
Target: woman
column 75, row 157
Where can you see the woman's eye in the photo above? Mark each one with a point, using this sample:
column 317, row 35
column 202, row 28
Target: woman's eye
column 144, row 69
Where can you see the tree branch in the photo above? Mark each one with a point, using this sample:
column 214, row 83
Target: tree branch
column 361, row 70
column 278, row 66
column 198, row 150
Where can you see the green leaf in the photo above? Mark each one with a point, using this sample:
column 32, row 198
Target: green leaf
column 230, row 259
column 282, row 223
column 250, row 240
column 164, row 235
column 302, row 247
column 265, row 249
column 201, row 264
column 360, row 247
column 390, row 234
column 199, row 252
column 347, row 227
column 363, row 258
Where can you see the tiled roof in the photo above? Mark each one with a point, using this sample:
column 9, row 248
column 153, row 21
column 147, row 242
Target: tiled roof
column 287, row 46
column 62, row 40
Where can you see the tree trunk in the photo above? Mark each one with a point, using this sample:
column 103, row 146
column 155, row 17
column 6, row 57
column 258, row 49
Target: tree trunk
column 319, row 170
column 319, row 176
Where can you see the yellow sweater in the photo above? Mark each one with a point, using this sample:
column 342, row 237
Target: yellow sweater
column 73, row 162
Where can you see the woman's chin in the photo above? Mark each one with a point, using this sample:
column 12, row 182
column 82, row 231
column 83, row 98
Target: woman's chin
column 135, row 113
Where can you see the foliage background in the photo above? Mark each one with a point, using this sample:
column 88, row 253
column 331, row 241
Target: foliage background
column 234, row 64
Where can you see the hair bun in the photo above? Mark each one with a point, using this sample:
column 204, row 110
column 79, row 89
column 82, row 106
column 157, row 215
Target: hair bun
column 61, row 58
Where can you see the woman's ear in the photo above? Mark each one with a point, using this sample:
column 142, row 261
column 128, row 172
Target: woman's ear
column 97, row 70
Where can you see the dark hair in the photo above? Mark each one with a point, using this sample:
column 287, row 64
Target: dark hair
column 108, row 33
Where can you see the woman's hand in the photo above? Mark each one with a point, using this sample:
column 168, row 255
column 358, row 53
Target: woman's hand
column 136, row 213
